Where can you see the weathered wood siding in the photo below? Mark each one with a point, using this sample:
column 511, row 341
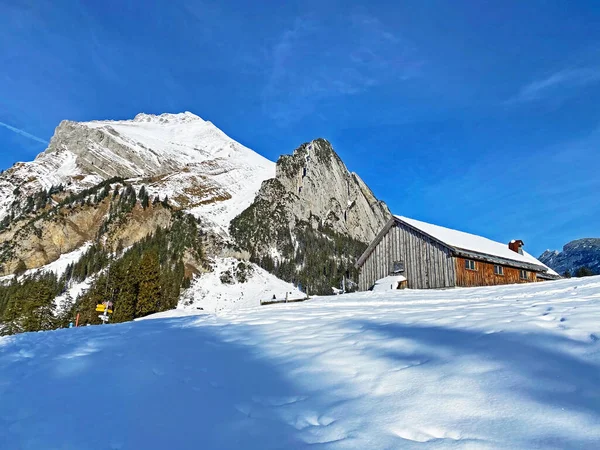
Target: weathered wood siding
column 484, row 275
column 427, row 263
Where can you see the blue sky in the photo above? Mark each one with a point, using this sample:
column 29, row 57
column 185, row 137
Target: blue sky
column 482, row 116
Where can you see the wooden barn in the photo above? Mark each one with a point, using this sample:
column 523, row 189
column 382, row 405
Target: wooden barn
column 426, row 256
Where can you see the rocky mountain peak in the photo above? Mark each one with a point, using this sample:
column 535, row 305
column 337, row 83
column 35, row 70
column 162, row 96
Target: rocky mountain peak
column 313, row 216
column 321, row 183
column 575, row 254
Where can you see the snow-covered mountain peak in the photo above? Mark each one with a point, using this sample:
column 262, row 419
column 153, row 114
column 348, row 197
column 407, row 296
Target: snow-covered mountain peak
column 167, row 118
column 180, row 155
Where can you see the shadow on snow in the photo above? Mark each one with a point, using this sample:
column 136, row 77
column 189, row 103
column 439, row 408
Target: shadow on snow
column 111, row 387
column 547, row 375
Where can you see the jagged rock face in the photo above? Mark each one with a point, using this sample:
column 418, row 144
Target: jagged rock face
column 576, row 254
column 320, row 187
column 104, row 152
column 311, row 222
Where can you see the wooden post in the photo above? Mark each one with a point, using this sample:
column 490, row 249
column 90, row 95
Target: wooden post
column 77, row 320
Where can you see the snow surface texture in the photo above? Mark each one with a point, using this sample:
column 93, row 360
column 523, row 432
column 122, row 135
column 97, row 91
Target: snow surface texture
column 505, row 367
column 472, row 242
column 210, row 294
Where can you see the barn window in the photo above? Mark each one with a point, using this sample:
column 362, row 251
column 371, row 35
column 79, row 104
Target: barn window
column 524, row 274
column 398, row 267
column 498, row 270
column 470, row 264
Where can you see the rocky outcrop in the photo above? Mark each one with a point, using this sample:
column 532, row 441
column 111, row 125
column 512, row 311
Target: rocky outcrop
column 314, row 186
column 576, row 254
column 324, row 188
column 43, row 240
column 102, row 151
column 313, row 197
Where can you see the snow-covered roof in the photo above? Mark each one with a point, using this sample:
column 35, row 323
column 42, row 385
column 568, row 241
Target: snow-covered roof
column 472, row 243
column 388, row 283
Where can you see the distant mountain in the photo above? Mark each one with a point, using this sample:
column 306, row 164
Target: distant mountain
column 576, row 254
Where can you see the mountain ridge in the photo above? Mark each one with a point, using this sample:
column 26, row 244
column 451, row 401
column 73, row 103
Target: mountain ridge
column 575, row 254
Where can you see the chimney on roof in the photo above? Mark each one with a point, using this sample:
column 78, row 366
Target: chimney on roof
column 516, row 246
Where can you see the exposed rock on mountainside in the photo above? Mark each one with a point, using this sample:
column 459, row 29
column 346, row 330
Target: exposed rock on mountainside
column 311, row 222
column 576, row 254
column 103, row 215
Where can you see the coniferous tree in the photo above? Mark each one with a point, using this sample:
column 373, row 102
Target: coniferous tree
column 149, row 295
column 583, row 272
column 12, row 319
column 144, row 199
column 64, row 314
column 126, row 297
column 38, row 309
column 21, row 268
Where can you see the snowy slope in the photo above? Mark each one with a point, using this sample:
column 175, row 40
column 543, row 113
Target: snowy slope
column 506, row 367
column 210, row 294
column 47, row 170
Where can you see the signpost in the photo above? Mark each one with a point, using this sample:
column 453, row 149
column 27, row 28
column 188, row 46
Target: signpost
column 105, row 309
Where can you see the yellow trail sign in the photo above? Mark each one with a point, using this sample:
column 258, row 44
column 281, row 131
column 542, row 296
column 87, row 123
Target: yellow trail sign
column 101, row 308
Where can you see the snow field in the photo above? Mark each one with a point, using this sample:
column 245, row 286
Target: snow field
column 500, row 367
column 212, row 295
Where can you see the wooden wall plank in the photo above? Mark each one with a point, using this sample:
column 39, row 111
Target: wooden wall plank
column 484, row 275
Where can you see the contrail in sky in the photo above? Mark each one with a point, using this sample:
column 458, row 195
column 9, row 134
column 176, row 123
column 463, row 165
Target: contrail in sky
column 23, row 133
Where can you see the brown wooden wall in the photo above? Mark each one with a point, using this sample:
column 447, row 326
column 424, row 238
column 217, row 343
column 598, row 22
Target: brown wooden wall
column 485, row 276
column 427, row 263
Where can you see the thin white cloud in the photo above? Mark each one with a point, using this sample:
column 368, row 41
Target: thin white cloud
column 23, row 133
column 314, row 60
column 557, row 83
